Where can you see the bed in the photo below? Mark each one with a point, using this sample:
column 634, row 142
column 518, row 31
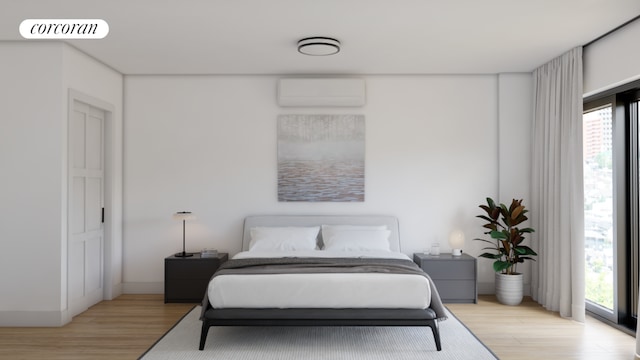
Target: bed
column 298, row 270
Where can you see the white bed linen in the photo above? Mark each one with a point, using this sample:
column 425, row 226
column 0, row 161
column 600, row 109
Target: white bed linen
column 360, row 290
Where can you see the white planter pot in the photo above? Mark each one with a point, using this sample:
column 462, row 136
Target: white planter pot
column 509, row 289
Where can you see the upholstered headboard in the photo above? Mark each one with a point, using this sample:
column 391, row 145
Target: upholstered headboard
column 317, row 220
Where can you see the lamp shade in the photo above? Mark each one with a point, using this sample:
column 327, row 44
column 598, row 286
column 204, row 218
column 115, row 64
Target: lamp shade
column 183, row 215
column 456, row 240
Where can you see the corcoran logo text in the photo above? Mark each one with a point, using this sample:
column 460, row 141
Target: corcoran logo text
column 64, row 29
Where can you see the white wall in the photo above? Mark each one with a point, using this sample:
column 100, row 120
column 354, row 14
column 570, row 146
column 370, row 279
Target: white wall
column 33, row 186
column 208, row 144
column 515, row 96
column 31, row 153
column 612, row 60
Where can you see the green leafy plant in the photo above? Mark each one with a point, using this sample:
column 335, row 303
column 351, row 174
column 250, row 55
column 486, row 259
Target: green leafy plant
column 506, row 236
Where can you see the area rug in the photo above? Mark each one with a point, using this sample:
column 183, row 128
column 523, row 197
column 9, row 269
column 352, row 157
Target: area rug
column 314, row 343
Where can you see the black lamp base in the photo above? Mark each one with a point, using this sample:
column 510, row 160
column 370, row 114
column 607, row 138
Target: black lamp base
column 183, row 254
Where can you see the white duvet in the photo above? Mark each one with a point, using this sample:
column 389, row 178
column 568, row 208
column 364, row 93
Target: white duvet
column 361, row 290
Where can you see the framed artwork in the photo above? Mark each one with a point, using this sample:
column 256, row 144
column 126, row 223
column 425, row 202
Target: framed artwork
column 321, row 158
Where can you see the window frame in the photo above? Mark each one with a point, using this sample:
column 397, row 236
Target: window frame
column 626, row 187
column 592, row 307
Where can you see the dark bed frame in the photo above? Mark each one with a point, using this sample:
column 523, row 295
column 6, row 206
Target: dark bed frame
column 319, row 317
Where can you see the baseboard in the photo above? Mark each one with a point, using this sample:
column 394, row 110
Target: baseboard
column 486, row 288
column 34, row 318
column 116, row 291
column 113, row 292
column 143, row 288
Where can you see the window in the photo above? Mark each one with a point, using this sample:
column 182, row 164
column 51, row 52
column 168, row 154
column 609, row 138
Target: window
column 611, row 153
column 598, row 207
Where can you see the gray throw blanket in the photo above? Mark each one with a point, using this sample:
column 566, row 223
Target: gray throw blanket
column 294, row 265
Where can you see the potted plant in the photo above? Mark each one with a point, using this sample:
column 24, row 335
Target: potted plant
column 508, row 250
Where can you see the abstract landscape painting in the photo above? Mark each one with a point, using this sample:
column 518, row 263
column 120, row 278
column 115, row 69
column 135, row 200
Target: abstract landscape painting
column 321, row 158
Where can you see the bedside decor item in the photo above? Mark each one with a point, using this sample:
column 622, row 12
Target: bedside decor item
column 435, row 249
column 508, row 250
column 456, row 240
column 184, row 216
column 208, row 253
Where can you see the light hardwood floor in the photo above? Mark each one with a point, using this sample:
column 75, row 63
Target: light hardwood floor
column 127, row 326
column 123, row 328
column 528, row 331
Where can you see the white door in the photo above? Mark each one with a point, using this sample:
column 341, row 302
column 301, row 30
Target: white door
column 86, row 199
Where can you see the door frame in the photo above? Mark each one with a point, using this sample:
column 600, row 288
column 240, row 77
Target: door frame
column 111, row 223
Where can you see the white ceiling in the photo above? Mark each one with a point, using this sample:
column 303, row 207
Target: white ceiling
column 377, row 36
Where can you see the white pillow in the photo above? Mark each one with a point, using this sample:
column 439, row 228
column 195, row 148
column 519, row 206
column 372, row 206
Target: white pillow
column 358, row 240
column 329, row 230
column 283, row 238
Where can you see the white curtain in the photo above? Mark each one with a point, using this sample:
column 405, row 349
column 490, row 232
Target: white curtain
column 557, row 206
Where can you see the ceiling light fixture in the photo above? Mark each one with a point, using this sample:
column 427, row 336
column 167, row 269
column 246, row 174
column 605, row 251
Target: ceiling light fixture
column 318, row 46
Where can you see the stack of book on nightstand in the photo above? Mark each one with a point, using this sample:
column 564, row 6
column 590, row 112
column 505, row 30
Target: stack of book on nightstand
column 209, row 253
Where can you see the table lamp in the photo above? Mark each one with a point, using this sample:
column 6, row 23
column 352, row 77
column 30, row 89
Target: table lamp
column 184, row 216
column 456, row 240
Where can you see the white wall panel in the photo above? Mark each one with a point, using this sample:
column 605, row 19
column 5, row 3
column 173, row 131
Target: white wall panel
column 93, row 276
column 93, row 199
column 79, row 202
column 31, row 161
column 76, row 278
column 78, row 139
column 94, row 143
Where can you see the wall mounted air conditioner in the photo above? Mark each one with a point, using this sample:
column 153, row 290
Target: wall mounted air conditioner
column 321, row 92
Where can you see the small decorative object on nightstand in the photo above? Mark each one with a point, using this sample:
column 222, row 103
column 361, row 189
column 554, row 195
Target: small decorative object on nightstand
column 435, row 249
column 454, row 276
column 208, row 253
column 186, row 278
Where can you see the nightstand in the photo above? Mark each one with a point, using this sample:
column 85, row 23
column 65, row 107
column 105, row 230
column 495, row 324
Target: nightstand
column 186, row 278
column 455, row 276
